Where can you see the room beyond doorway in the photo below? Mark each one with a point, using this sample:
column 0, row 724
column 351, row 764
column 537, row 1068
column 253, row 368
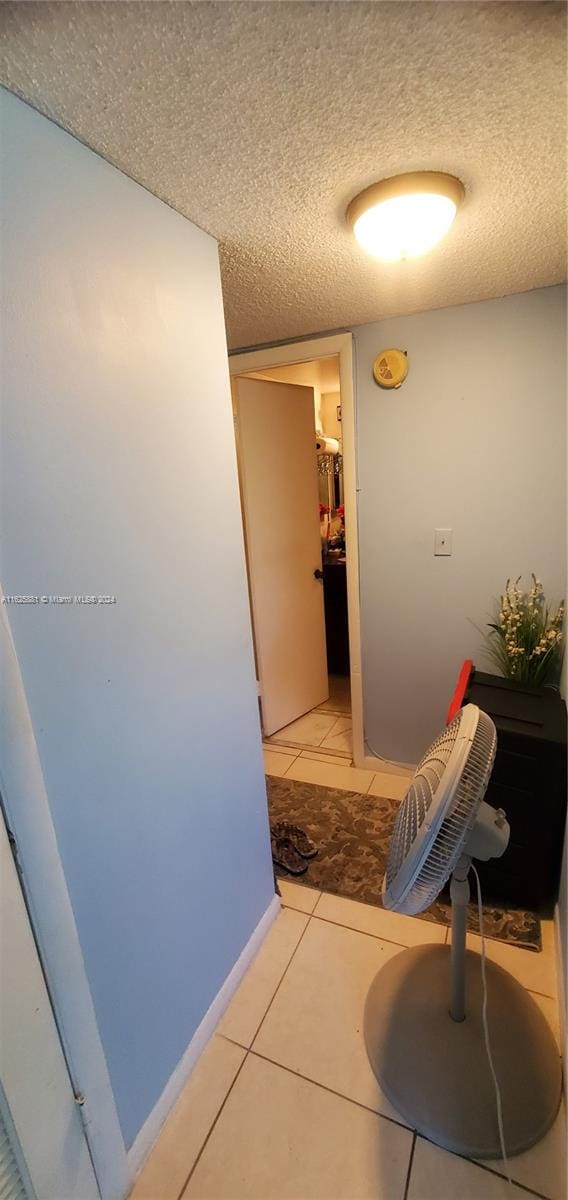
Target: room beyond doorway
column 326, row 728
column 321, row 450
column 328, row 714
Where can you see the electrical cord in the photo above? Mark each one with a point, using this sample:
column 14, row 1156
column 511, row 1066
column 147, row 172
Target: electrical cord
column 486, row 1032
column 390, row 762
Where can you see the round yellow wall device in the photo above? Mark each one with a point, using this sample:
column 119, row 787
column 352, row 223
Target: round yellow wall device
column 390, row 368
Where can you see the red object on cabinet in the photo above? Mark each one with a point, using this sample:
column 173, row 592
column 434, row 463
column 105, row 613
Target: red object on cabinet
column 461, row 686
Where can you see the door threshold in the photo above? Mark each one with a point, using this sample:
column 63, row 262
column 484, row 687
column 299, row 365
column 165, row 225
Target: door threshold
column 321, row 751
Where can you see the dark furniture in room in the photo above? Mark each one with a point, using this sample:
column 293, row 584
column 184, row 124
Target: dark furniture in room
column 335, row 605
column 529, row 783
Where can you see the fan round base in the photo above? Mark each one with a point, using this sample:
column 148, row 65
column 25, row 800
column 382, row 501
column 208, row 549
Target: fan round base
column 435, row 1071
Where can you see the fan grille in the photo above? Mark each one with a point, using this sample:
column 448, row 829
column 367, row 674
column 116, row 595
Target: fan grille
column 441, row 858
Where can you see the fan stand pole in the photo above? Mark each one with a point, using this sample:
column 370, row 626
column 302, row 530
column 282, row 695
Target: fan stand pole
column 459, row 893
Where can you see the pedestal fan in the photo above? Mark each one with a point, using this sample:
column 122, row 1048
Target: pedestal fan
column 460, row 1049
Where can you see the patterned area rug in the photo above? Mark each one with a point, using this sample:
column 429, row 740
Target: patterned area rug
column 353, row 833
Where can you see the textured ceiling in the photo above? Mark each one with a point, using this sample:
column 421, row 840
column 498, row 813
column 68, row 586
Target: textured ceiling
column 260, row 121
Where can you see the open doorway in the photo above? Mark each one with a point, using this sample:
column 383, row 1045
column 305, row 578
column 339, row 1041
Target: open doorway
column 295, row 447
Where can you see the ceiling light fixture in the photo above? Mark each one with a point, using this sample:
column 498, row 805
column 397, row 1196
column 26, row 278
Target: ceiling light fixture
column 403, row 217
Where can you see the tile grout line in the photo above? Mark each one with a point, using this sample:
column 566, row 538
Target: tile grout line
column 410, row 1162
column 321, row 708
column 304, row 911
column 280, row 981
column 379, row 937
column 516, row 1182
column 332, row 1091
column 348, row 764
column 376, row 1113
column 319, row 747
column 288, row 754
column 316, row 903
column 214, row 1122
column 340, row 787
column 322, row 752
column 282, row 750
column 367, row 791
column 544, row 995
column 405, row 945
column 289, row 766
column 475, row 1162
column 334, row 759
column 232, row 1042
column 309, row 745
column 352, row 929
column 250, row 1050
column 247, row 1051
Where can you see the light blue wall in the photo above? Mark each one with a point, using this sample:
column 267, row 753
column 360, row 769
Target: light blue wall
column 119, row 476
column 474, row 440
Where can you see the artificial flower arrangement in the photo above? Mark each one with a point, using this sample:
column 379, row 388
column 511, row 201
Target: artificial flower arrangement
column 526, row 640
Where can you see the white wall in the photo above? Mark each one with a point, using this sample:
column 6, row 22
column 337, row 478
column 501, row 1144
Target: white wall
column 474, row 440
column 119, row 477
column 330, row 424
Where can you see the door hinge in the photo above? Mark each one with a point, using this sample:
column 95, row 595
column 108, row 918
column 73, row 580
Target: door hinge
column 14, row 848
column 84, row 1116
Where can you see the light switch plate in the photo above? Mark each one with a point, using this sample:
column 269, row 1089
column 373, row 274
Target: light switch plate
column 442, row 541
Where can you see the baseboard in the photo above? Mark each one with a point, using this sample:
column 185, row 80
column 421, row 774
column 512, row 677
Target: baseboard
column 147, row 1135
column 371, row 763
column 562, row 997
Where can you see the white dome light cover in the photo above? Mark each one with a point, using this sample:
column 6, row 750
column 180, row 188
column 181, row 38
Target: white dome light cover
column 405, row 216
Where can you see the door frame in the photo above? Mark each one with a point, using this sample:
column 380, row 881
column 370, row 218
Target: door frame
column 28, row 819
column 39, row 1107
column 330, row 346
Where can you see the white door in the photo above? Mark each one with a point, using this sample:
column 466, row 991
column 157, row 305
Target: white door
column 279, row 486
column 43, row 1149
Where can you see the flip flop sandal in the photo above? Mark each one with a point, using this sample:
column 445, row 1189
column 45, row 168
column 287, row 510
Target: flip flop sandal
column 286, row 856
column 298, row 837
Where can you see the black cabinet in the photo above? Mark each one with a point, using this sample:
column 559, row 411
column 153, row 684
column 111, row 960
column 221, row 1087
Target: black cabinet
column 336, row 626
column 529, row 783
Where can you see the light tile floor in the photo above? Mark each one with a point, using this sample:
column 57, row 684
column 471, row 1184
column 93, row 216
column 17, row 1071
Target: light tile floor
column 319, row 765
column 339, row 695
column 310, row 730
column 283, row 1104
column 328, row 725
